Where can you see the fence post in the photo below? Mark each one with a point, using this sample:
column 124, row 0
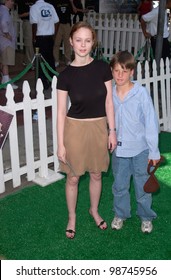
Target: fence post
column 13, row 139
column 45, row 176
column 2, row 185
column 28, row 131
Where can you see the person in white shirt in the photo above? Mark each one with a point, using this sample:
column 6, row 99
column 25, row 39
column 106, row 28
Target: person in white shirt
column 7, row 40
column 149, row 24
column 44, row 19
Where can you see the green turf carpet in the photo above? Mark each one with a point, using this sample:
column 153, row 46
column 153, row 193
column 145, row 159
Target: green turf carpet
column 33, row 222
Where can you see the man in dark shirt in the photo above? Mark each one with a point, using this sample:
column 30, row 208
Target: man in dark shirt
column 79, row 14
column 23, row 12
column 64, row 11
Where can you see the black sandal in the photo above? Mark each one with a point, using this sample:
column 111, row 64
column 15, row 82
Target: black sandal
column 70, row 231
column 102, row 223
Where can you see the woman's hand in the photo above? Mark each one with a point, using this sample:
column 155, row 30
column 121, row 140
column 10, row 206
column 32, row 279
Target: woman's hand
column 7, row 36
column 61, row 154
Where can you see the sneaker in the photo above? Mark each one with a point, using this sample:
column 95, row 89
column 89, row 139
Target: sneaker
column 117, row 223
column 6, row 79
column 35, row 116
column 14, row 86
column 56, row 63
column 24, row 63
column 146, row 226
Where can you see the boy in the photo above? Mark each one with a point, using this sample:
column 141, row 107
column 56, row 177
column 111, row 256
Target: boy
column 137, row 135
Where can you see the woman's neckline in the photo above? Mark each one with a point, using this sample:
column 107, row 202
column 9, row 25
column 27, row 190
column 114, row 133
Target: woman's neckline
column 82, row 65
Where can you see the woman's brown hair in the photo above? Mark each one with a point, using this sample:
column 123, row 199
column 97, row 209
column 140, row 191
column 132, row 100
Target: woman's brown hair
column 82, row 24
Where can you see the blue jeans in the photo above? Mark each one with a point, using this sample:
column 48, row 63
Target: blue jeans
column 123, row 169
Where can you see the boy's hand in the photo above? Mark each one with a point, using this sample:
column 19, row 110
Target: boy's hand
column 112, row 142
column 154, row 161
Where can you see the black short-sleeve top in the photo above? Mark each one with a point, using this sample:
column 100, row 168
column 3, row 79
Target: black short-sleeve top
column 86, row 88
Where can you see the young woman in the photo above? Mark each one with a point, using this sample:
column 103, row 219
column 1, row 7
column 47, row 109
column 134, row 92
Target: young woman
column 82, row 132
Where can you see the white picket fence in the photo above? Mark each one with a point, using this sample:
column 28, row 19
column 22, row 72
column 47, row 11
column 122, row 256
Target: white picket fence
column 121, row 32
column 115, row 32
column 159, row 87
column 42, row 168
column 36, row 167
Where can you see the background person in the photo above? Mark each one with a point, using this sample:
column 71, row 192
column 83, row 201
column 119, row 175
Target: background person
column 64, row 10
column 82, row 134
column 144, row 7
column 7, row 40
column 23, row 12
column 149, row 24
column 137, row 131
column 79, row 14
column 43, row 18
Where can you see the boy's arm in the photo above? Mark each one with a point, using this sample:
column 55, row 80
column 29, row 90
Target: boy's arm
column 151, row 127
column 73, row 6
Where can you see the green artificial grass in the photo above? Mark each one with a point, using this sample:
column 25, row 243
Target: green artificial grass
column 33, row 223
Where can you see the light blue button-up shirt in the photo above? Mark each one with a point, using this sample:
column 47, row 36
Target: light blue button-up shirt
column 137, row 125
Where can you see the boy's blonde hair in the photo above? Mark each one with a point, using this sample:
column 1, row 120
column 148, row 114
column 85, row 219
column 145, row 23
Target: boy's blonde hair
column 125, row 59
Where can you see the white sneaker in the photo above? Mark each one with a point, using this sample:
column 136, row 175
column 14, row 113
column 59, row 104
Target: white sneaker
column 14, row 86
column 117, row 223
column 35, row 116
column 56, row 64
column 146, row 226
column 6, row 79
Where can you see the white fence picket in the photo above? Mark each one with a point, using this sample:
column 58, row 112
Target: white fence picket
column 54, row 117
column 42, row 128
column 168, row 97
column 13, row 139
column 28, row 131
column 162, row 92
column 2, row 179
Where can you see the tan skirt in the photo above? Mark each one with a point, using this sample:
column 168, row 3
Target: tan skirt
column 86, row 144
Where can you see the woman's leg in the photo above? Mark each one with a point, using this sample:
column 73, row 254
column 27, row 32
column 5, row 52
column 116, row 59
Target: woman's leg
column 71, row 198
column 95, row 193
